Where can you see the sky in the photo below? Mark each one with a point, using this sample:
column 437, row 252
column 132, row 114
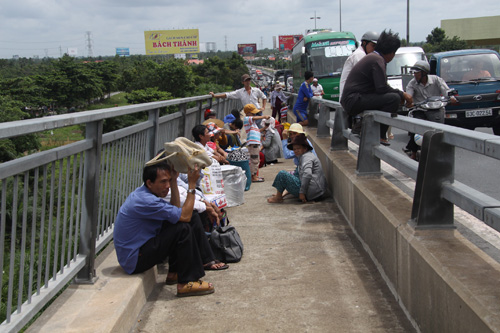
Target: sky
column 31, row 28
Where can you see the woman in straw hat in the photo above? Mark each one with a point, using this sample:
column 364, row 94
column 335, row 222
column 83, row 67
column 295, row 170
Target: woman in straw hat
column 308, row 181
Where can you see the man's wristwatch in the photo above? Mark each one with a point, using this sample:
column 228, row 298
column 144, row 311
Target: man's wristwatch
column 192, row 191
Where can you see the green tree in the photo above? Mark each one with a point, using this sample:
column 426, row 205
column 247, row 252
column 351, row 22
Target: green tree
column 147, row 95
column 436, row 36
column 437, row 41
column 176, row 78
column 26, row 89
column 107, row 71
column 10, row 110
column 74, row 83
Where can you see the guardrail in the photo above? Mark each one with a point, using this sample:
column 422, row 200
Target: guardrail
column 58, row 206
column 436, row 190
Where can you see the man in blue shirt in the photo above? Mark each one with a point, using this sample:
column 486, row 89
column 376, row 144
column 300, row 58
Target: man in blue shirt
column 305, row 95
column 148, row 229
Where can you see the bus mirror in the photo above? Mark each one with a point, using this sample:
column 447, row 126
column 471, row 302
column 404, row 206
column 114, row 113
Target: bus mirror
column 303, row 58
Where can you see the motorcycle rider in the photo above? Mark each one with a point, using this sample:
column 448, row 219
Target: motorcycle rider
column 422, row 86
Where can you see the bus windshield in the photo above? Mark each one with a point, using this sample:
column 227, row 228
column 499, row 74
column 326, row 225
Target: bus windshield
column 327, row 57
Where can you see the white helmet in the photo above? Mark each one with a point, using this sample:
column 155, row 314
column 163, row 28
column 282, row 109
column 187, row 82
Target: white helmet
column 370, row 36
column 421, row 65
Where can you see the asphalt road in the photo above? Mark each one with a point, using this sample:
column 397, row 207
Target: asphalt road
column 479, row 172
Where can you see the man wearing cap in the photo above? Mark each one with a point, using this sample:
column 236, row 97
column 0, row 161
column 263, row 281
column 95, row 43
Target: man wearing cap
column 317, row 89
column 247, row 94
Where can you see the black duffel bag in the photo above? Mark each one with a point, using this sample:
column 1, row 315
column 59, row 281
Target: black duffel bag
column 226, row 244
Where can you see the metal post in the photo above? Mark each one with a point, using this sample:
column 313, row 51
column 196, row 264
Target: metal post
column 368, row 163
column 184, row 122
column 339, row 141
column 437, row 163
column 152, row 137
column 313, row 109
column 324, row 116
column 90, row 207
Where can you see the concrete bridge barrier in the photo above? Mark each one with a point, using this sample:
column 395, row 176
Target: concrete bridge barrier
column 443, row 282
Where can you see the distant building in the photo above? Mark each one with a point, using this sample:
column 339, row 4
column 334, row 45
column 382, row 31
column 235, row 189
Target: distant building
column 211, row 47
column 480, row 32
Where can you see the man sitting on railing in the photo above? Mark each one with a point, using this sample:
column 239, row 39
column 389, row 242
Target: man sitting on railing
column 366, row 86
column 148, row 229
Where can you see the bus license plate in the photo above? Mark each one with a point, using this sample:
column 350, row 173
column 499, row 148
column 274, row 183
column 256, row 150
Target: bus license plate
column 478, row 113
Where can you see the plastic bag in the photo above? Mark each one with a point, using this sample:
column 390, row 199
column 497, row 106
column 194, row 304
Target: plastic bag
column 234, row 184
column 212, row 184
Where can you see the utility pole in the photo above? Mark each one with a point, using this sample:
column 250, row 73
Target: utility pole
column 225, row 43
column 90, row 54
column 407, row 22
column 315, row 17
column 261, row 44
column 340, row 14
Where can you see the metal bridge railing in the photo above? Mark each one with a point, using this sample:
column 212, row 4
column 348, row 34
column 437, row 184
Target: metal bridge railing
column 58, row 206
column 436, row 190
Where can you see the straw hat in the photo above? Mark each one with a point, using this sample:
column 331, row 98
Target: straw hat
column 217, row 122
column 296, row 128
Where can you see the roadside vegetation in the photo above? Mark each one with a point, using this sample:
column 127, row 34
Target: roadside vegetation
column 32, row 88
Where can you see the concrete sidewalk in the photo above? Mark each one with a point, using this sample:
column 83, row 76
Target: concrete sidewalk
column 302, row 270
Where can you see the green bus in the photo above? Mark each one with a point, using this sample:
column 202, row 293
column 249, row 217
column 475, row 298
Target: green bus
column 323, row 53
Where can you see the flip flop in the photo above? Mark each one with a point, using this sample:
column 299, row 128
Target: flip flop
column 258, row 180
column 197, row 288
column 208, row 267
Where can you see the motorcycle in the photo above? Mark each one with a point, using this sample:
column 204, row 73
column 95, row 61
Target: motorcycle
column 430, row 104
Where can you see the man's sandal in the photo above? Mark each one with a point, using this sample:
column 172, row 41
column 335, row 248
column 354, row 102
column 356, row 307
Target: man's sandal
column 197, row 288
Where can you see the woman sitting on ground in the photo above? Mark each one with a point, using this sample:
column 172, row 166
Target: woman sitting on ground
column 288, row 136
column 308, row 182
column 271, row 141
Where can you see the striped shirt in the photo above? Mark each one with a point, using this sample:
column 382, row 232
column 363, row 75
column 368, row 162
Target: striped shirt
column 253, row 133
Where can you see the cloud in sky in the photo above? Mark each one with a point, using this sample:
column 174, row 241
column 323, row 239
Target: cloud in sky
column 50, row 27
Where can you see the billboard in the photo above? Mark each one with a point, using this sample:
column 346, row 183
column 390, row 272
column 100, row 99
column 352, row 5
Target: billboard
column 72, row 51
column 247, row 48
column 287, row 42
column 172, row 41
column 122, row 51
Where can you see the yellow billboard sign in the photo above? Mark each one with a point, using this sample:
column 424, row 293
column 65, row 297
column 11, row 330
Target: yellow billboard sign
column 172, row 41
